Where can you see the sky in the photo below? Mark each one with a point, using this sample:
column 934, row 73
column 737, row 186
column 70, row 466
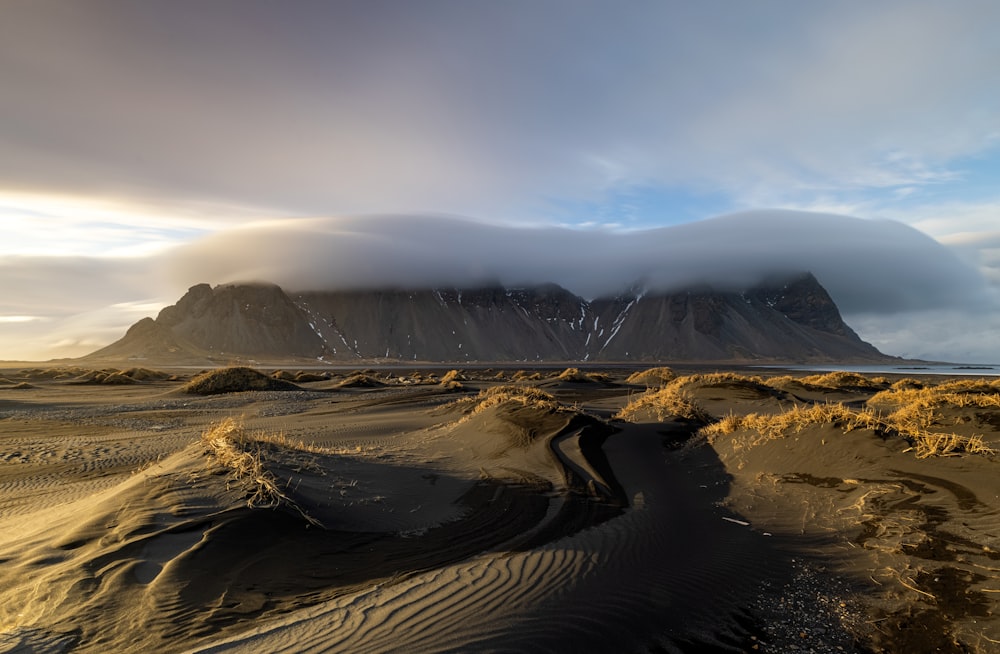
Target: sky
column 148, row 146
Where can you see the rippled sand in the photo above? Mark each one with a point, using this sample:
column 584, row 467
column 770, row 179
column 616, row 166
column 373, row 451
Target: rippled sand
column 480, row 516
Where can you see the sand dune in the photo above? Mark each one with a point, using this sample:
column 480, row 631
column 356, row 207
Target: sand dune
column 405, row 516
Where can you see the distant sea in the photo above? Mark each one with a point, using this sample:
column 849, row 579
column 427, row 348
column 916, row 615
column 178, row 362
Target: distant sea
column 906, row 367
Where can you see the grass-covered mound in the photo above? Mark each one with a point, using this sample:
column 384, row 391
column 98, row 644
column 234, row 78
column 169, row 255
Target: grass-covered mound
column 361, row 380
column 235, row 380
column 109, row 377
column 575, row 375
column 115, row 377
column 652, row 378
column 913, row 423
column 696, row 398
column 299, row 376
column 659, row 405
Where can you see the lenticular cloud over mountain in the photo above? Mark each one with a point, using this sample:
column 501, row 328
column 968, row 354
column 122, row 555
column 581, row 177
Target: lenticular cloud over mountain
column 867, row 266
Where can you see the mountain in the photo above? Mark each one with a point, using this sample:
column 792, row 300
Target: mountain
column 786, row 319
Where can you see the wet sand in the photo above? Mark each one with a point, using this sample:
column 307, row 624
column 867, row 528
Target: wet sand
column 496, row 512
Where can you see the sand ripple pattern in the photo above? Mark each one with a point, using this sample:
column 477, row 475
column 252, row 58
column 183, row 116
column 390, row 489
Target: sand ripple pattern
column 625, row 585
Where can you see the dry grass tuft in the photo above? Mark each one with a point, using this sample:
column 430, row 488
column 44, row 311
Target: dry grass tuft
column 907, row 384
column 774, row 426
column 242, row 453
column 455, row 376
column 235, row 380
column 763, row 428
column 360, row 380
column 841, row 380
column 717, row 379
column 918, row 410
column 663, row 403
column 652, row 378
column 730, row 380
column 577, row 375
column 525, row 396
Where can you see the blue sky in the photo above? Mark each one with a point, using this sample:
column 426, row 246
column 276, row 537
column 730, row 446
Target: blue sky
column 130, row 131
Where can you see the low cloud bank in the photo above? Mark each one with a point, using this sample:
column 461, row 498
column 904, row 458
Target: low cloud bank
column 868, row 266
column 900, row 289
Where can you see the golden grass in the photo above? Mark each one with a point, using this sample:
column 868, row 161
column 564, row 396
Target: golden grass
column 360, row 380
column 774, row 426
column 242, row 453
column 652, row 378
column 840, row 379
column 920, row 408
column 663, row 403
column 763, row 428
column 455, row 376
column 524, row 395
column 577, row 375
column 717, row 379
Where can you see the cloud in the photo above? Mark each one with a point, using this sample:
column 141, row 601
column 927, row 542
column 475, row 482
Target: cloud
column 956, row 335
column 491, row 109
column 868, row 266
column 76, row 304
column 889, row 278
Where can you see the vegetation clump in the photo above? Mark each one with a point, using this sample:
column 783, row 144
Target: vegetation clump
column 763, row 428
column 145, row 374
column 242, row 453
column 670, row 402
column 245, row 455
column 452, row 380
column 508, row 394
column 578, row 376
column 360, row 380
column 235, row 380
column 652, row 377
column 842, row 380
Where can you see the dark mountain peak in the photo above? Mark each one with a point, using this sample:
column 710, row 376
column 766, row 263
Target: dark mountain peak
column 784, row 318
column 196, row 296
column 803, row 300
column 237, row 318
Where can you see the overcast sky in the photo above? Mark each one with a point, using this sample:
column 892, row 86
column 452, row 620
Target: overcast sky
column 146, row 146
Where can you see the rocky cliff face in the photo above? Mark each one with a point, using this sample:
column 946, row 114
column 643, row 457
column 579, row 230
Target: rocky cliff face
column 793, row 319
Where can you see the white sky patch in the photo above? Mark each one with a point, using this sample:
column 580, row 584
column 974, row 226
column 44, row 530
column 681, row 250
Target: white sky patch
column 65, row 225
column 74, row 334
column 19, row 319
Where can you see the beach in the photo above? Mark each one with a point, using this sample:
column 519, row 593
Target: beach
column 686, row 509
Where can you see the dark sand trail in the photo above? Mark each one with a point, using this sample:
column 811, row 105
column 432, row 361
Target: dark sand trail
column 662, row 573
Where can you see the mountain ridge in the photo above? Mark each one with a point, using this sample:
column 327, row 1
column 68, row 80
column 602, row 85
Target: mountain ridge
column 789, row 319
